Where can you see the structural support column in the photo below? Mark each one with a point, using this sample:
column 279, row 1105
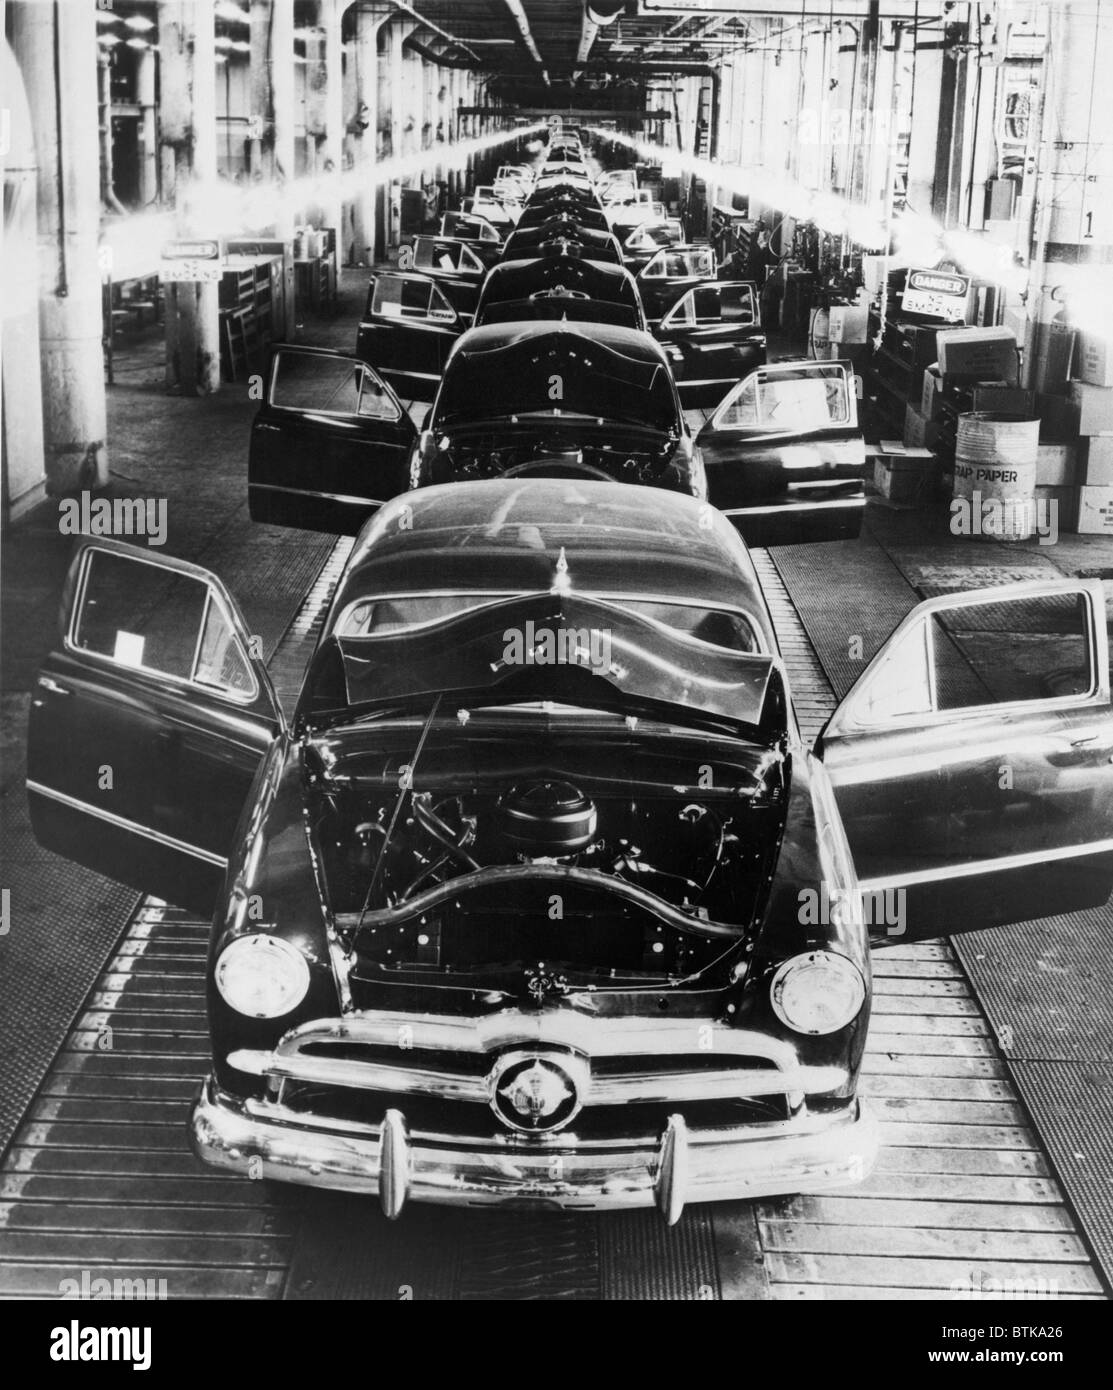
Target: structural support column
column 148, row 137
column 363, row 127
column 24, row 476
column 450, row 133
column 260, row 146
column 283, row 100
column 928, row 57
column 188, row 161
column 401, row 105
column 59, row 66
column 332, row 142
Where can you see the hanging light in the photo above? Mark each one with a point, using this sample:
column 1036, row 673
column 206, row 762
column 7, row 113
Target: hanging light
column 137, row 43
column 106, row 19
column 108, row 40
column 139, row 24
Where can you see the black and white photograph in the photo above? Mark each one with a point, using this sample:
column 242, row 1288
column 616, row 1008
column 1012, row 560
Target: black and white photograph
column 555, row 706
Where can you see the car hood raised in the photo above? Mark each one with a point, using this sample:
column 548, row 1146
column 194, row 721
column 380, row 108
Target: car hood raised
column 613, row 374
column 558, row 646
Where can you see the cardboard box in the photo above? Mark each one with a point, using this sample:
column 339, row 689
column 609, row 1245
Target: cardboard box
column 908, row 477
column 1095, row 511
column 849, row 323
column 1098, row 470
column 1093, row 360
column 919, row 431
column 1005, row 400
column 1016, row 320
column 1058, row 418
column 932, row 392
column 978, row 354
column 1057, row 465
column 1095, row 407
column 1061, row 498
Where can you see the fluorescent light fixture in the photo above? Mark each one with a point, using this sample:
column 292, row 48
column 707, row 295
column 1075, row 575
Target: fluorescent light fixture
column 224, row 9
column 137, row 43
column 139, row 23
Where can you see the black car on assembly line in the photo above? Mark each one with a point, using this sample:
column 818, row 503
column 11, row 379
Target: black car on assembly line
column 540, row 898
column 782, row 456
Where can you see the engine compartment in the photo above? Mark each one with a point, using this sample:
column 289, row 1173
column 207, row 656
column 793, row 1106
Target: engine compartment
column 604, row 886
column 488, row 454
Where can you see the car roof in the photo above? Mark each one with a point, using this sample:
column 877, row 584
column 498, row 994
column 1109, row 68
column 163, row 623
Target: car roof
column 630, row 342
column 514, row 534
column 545, row 268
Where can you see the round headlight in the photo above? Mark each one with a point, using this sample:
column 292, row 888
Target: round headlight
column 262, row 976
column 819, row 992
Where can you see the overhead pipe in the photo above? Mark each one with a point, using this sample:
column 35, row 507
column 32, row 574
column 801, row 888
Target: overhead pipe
column 414, row 45
column 588, row 32
column 408, row 9
column 521, row 19
column 603, row 11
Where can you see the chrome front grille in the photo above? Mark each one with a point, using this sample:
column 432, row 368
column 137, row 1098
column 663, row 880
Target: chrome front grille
column 625, row 1062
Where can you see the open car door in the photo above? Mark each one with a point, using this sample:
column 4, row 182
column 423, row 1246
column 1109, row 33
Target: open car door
column 713, row 338
column 452, row 265
column 784, row 457
column 330, row 444
column 407, row 331
column 480, row 236
column 672, row 272
column 972, row 762
column 148, row 724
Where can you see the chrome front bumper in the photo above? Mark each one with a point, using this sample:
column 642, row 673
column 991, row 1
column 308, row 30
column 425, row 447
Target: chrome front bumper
column 807, row 1153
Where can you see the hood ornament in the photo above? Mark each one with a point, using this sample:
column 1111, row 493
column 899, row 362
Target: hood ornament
column 541, row 983
column 536, row 1092
column 562, row 580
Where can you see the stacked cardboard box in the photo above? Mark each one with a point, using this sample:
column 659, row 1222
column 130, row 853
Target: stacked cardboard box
column 907, row 476
column 977, row 370
column 1091, row 395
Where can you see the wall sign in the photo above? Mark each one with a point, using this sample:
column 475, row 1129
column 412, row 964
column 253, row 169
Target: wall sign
column 191, row 262
column 940, row 293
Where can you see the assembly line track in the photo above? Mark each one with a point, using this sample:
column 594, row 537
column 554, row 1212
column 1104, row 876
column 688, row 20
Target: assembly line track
column 99, row 1184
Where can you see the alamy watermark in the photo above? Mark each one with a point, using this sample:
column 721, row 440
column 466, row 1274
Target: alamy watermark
column 1006, row 517
column 86, row 515
column 562, row 646
column 91, row 1286
column 881, row 907
column 77, row 1343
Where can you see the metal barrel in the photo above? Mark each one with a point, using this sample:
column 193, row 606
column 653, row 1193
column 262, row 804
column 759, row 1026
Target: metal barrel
column 995, row 476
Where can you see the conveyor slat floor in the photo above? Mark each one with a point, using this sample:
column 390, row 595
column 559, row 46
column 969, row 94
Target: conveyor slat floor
column 100, row 1180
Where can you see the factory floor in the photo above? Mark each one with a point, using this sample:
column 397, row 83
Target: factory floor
column 1044, row 988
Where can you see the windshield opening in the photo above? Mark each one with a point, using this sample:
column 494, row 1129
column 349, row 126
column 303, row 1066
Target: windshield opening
column 730, row 631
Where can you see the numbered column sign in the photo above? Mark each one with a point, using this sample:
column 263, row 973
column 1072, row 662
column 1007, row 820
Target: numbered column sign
column 196, row 261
